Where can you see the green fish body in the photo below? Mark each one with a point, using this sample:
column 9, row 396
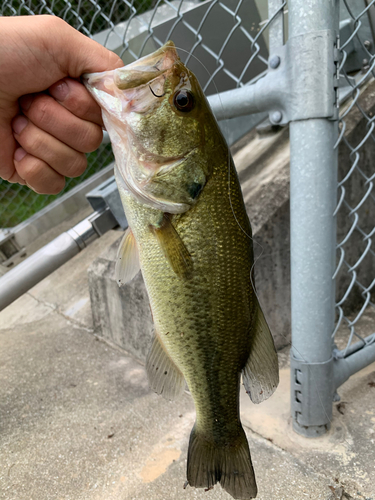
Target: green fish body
column 190, row 235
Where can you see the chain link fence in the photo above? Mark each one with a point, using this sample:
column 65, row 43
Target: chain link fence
column 227, row 44
column 356, row 201
column 133, row 29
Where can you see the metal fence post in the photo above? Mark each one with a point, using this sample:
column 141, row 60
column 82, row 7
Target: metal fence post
column 276, row 28
column 313, row 172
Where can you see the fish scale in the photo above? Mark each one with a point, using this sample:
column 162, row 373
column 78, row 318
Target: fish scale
column 211, row 313
column 190, row 235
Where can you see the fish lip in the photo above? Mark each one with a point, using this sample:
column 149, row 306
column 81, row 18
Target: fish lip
column 139, row 72
column 166, row 54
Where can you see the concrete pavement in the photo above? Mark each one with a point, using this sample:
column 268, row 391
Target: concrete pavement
column 78, row 421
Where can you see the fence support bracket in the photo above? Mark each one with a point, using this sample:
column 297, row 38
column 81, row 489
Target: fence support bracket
column 301, row 83
column 311, row 396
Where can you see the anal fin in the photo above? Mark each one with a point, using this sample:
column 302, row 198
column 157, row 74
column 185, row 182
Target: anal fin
column 163, row 375
column 261, row 372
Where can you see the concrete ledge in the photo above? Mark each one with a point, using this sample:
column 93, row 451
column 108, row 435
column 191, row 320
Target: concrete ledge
column 263, row 167
column 121, row 316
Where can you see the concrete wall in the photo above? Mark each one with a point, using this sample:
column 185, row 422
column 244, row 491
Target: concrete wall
column 121, row 316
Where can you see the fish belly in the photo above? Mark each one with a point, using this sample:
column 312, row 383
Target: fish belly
column 203, row 323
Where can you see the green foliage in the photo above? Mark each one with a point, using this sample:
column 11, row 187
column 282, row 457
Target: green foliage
column 18, row 203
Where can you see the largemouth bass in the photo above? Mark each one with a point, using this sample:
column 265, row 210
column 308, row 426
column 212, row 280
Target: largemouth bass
column 191, row 237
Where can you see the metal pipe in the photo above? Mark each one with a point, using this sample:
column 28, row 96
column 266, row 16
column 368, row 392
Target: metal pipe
column 36, row 267
column 346, row 367
column 312, row 15
column 53, row 255
column 313, row 195
column 276, row 28
column 371, row 19
column 233, row 103
column 313, row 185
column 337, row 354
column 313, row 174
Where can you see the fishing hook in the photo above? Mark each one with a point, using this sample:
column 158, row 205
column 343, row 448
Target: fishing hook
column 153, row 93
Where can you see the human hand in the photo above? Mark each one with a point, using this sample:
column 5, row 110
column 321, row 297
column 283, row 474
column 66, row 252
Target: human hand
column 48, row 120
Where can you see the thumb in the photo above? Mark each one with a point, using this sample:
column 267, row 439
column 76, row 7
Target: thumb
column 78, row 54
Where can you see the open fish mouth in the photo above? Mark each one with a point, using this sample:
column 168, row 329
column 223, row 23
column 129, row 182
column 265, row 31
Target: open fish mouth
column 133, row 75
column 147, row 68
column 130, row 97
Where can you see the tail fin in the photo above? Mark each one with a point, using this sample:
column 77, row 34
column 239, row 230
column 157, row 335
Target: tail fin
column 230, row 464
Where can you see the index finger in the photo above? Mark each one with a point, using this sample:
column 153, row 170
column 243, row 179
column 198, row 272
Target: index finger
column 8, row 146
column 74, row 97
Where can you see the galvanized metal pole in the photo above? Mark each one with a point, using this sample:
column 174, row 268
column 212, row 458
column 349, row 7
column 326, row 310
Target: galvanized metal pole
column 276, row 28
column 313, row 173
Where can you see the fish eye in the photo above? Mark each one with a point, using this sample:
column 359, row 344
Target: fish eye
column 184, row 100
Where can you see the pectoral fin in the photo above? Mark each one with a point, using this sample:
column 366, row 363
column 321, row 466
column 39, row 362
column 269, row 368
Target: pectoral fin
column 173, row 248
column 163, row 375
column 127, row 264
column 261, row 373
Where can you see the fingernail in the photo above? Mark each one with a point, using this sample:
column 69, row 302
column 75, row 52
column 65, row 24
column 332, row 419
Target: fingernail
column 26, row 100
column 59, row 91
column 19, row 154
column 19, row 123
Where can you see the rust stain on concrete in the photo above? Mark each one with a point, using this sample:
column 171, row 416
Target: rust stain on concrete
column 158, row 462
